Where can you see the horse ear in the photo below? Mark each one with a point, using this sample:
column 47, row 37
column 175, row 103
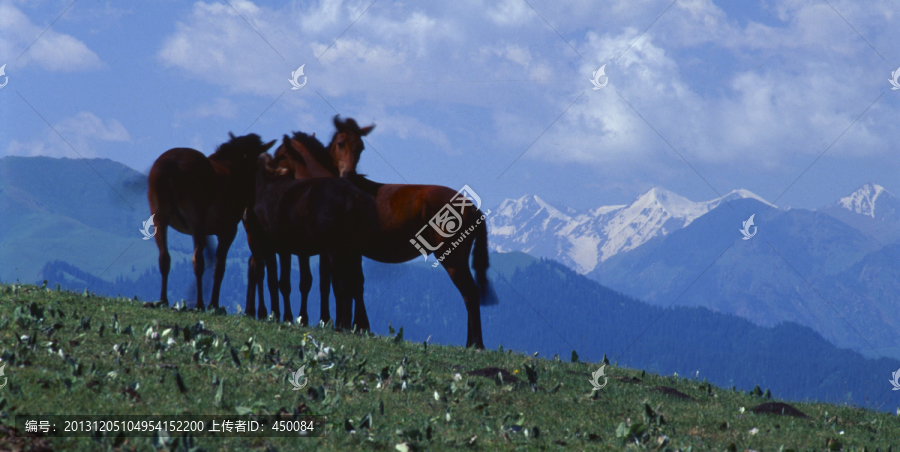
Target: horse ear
column 268, row 145
column 231, row 135
column 365, row 130
column 338, row 124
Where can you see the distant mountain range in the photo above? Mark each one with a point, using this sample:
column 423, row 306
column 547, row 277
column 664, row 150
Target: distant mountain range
column 76, row 223
column 829, row 269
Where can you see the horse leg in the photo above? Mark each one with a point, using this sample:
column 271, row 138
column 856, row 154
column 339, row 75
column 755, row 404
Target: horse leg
column 198, row 261
column 259, row 276
column 325, row 288
column 165, row 261
column 357, row 282
column 338, row 281
column 225, row 240
column 272, row 281
column 284, row 260
column 305, row 286
column 347, row 277
column 250, row 309
column 459, row 272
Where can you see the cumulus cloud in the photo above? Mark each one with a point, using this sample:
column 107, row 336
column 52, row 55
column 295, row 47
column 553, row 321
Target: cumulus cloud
column 82, row 131
column 718, row 88
column 53, row 51
column 220, row 108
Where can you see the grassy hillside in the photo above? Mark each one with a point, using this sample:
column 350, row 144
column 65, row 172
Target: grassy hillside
column 546, row 307
column 89, row 355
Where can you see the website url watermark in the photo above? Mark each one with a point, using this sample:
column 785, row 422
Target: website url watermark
column 448, row 223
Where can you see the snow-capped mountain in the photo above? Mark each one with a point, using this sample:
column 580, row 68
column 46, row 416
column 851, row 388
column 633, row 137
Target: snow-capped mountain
column 581, row 240
column 871, row 209
column 865, row 200
column 862, row 201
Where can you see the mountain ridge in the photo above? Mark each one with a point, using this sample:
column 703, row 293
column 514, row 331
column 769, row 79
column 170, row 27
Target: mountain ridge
column 583, row 239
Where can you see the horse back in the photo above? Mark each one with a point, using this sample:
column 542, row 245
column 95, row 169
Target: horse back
column 406, row 211
column 402, row 206
column 311, row 216
column 181, row 184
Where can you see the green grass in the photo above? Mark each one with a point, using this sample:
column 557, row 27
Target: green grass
column 406, row 389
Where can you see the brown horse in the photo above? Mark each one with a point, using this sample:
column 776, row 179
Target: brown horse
column 262, row 249
column 326, row 216
column 202, row 196
column 342, row 156
column 409, row 216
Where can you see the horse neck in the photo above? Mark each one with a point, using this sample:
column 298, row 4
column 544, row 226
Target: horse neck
column 314, row 168
column 265, row 185
column 238, row 181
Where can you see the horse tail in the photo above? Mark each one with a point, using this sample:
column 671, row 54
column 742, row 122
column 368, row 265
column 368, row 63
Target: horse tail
column 480, row 263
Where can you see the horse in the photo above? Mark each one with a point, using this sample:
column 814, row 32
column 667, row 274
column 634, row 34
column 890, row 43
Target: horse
column 409, row 216
column 325, row 216
column 343, row 153
column 202, row 196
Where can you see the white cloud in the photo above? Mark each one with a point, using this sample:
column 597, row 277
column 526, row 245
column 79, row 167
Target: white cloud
column 87, row 126
column 717, row 88
column 510, row 13
column 82, row 131
column 52, row 51
column 220, row 108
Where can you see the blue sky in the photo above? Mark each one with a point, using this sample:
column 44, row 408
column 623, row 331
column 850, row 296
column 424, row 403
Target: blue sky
column 714, row 96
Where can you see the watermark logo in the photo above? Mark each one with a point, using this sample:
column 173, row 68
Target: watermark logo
column 596, row 78
column 746, row 230
column 6, row 380
column 894, row 76
column 595, row 381
column 3, row 73
column 296, row 75
column 146, row 230
column 295, row 378
column 448, row 221
column 894, row 382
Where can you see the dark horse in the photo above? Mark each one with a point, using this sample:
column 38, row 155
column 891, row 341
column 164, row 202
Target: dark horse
column 342, row 156
column 409, row 215
column 326, row 216
column 202, row 196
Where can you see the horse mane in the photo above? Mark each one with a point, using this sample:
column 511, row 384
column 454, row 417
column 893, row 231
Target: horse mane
column 321, row 154
column 236, row 147
column 317, row 149
column 348, row 123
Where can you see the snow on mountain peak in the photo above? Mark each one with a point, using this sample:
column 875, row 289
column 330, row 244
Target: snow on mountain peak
column 862, row 201
column 676, row 205
column 554, row 213
column 582, row 240
column 744, row 194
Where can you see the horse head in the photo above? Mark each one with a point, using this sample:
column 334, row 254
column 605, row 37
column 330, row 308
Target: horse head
column 242, row 151
column 268, row 168
column 347, row 145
